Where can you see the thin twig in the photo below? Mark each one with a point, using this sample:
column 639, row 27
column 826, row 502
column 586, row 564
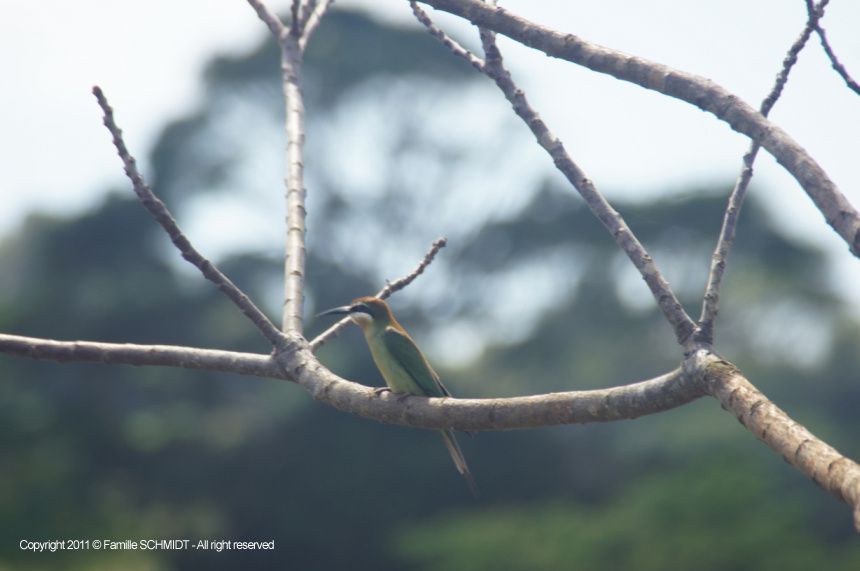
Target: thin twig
column 270, row 19
column 399, row 284
column 313, row 19
column 384, row 293
column 672, row 309
column 162, row 215
column 304, row 13
column 445, row 39
column 711, row 299
column 296, row 17
column 834, row 61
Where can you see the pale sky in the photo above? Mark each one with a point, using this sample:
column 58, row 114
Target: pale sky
column 56, row 156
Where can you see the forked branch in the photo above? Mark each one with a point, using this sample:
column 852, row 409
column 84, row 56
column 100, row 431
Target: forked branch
column 703, row 372
column 836, row 473
column 292, row 39
column 696, row 90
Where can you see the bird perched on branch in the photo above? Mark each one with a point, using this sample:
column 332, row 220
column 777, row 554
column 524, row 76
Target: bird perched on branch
column 402, row 364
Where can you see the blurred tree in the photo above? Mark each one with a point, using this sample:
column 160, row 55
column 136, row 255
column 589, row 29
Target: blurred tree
column 715, row 513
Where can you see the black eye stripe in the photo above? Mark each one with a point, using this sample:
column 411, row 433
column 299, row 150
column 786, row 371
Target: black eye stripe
column 360, row 309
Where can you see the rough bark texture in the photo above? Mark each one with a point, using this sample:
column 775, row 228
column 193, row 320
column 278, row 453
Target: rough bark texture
column 294, row 264
column 818, row 460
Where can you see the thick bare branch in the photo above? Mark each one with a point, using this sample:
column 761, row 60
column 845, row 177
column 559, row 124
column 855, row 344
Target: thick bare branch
column 298, row 364
column 711, row 300
column 140, row 355
column 696, row 90
column 162, row 215
column 291, row 42
column 294, row 266
column 703, row 373
column 831, row 470
column 672, row 309
column 825, row 43
column 384, row 293
column 629, row 401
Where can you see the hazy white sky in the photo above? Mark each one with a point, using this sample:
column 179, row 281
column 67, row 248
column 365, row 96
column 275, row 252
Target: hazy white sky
column 147, row 55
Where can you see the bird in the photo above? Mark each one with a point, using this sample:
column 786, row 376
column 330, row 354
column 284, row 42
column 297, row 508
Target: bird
column 403, row 366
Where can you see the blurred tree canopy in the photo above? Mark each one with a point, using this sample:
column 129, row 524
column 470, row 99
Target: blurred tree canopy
column 531, row 283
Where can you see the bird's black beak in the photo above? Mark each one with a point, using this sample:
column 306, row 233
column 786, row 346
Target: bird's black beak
column 342, row 310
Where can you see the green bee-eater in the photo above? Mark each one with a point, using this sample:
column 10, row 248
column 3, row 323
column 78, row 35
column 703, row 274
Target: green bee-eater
column 402, row 364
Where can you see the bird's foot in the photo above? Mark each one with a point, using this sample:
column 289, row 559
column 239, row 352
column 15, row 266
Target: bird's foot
column 400, row 396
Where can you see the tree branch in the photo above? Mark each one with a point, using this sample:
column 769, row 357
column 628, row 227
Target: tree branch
column 384, row 293
column 141, row 355
column 445, row 39
column 292, row 41
column 836, row 473
column 312, row 21
column 270, row 19
column 294, row 266
column 827, row 467
column 834, row 61
column 603, row 405
column 698, row 91
column 162, row 215
column 702, row 373
column 668, row 303
column 711, row 300
column 296, row 7
column 629, row 401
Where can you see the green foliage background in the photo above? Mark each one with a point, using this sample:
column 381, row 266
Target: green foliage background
column 89, row 451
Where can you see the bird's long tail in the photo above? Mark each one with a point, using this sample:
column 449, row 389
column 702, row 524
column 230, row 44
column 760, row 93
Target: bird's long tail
column 460, row 462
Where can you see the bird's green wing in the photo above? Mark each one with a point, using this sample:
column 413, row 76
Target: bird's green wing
column 403, row 349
